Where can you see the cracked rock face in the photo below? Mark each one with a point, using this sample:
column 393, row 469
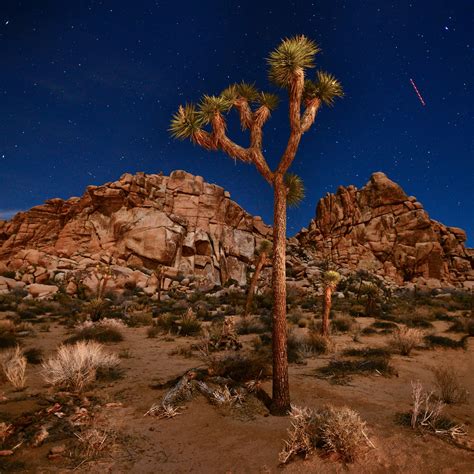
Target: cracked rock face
column 181, row 222
column 381, row 229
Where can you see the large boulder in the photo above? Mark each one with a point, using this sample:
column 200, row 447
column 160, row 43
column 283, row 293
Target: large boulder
column 380, row 229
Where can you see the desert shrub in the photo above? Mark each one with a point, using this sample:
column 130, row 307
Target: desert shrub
column 449, row 387
column 105, row 330
column 465, row 325
column 307, row 345
column 406, row 339
column 250, row 325
column 442, row 341
column 368, row 331
column 415, row 322
column 96, row 308
column 295, row 316
column 241, row 368
column 166, row 322
column 338, row 369
column 7, row 340
column 153, row 331
column 342, row 324
column 189, row 325
column 384, row 325
column 75, row 366
column 13, row 364
column 139, row 318
column 367, row 352
column 442, row 316
column 34, row 355
column 427, row 414
column 357, row 310
column 333, row 429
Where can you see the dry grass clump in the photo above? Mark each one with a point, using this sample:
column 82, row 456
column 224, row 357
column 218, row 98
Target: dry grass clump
column 465, row 325
column 104, row 330
column 302, row 346
column 342, row 324
column 241, row 368
column 13, row 364
column 337, row 430
column 406, row 339
column 189, row 325
column 250, row 325
column 7, row 334
column 449, row 387
column 75, row 366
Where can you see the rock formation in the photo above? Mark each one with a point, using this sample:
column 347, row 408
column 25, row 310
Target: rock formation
column 381, row 229
column 189, row 227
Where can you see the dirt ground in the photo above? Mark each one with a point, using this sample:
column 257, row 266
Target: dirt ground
column 203, row 439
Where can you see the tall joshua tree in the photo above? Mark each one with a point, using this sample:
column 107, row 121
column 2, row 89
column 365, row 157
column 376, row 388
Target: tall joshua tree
column 205, row 125
column 264, row 250
column 330, row 279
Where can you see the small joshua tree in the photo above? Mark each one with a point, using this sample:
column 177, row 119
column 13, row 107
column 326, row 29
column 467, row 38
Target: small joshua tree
column 330, row 280
column 263, row 253
column 288, row 64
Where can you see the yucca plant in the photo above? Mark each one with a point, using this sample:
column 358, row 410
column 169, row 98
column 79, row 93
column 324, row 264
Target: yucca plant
column 330, row 279
column 206, row 126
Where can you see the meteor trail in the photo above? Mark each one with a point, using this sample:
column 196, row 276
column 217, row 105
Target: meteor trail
column 417, row 92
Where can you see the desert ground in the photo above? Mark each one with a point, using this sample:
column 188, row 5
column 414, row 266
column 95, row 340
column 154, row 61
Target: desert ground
column 109, row 424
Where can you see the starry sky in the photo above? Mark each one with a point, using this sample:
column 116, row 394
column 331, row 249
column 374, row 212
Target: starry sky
column 87, row 91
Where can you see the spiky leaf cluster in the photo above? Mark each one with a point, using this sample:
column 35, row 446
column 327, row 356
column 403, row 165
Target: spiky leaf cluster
column 331, row 278
column 270, row 101
column 295, row 189
column 326, row 88
column 292, row 54
column 265, row 247
column 186, row 122
column 210, row 105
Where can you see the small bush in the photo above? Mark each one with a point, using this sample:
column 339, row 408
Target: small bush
column 465, row 325
column 105, row 330
column 384, row 325
column 442, row 341
column 307, row 345
column 342, row 324
column 368, row 331
column 342, row 368
column 337, row 430
column 75, row 366
column 7, row 340
column 153, row 331
column 449, row 387
column 250, row 325
column 9, row 274
column 13, row 364
column 367, row 352
column 34, row 355
column 241, row 368
column 442, row 316
column 139, row 319
column 189, row 325
column 406, row 339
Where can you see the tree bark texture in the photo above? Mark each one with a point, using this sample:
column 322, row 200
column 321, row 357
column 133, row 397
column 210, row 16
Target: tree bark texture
column 326, row 310
column 253, row 284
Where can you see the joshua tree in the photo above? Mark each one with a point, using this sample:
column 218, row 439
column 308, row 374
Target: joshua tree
column 264, row 251
column 288, row 64
column 160, row 277
column 330, row 280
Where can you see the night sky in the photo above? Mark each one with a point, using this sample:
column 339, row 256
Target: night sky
column 87, row 90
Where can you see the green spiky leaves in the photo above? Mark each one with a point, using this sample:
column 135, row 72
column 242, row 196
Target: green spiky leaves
column 295, row 189
column 291, row 55
column 265, row 246
column 270, row 101
column 210, row 105
column 331, row 278
column 326, row 88
column 186, row 122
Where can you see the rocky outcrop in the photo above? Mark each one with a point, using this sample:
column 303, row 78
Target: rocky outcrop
column 189, row 227
column 381, row 229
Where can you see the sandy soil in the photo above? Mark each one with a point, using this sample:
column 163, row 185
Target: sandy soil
column 206, row 440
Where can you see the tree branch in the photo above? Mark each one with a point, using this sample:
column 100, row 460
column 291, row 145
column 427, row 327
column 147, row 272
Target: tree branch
column 245, row 112
column 223, row 142
column 309, row 115
column 295, row 94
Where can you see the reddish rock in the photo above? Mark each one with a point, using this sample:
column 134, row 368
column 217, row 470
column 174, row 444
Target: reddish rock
column 179, row 222
column 379, row 228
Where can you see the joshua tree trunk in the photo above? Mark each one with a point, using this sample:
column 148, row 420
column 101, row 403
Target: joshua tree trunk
column 281, row 391
column 326, row 310
column 262, row 258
